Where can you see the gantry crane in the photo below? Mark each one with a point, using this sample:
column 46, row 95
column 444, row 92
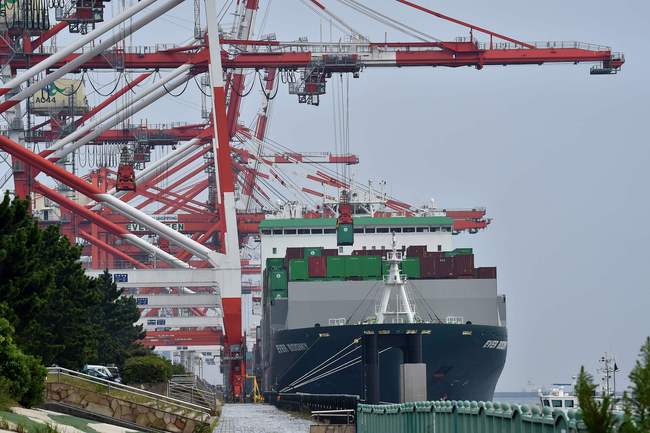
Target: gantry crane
column 306, row 66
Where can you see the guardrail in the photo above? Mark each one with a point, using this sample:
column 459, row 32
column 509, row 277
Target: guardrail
column 467, row 417
column 498, row 45
column 128, row 393
column 192, row 392
column 301, row 402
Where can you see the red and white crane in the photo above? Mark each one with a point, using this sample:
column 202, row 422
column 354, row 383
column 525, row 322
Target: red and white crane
column 238, row 166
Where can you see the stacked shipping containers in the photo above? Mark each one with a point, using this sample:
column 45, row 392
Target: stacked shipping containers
column 336, row 267
column 317, row 266
column 316, row 263
column 298, row 270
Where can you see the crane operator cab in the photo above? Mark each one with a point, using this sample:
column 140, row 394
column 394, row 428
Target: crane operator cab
column 344, row 223
column 125, row 172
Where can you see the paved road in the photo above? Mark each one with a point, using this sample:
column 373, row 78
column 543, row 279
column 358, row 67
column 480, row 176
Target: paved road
column 259, row 418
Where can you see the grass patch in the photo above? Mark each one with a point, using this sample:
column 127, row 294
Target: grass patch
column 24, row 423
column 73, row 421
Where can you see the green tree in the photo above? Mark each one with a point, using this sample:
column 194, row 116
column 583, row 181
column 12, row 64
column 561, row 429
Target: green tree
column 59, row 314
column 44, row 290
column 637, row 401
column 146, row 369
column 116, row 315
column 22, row 377
column 596, row 413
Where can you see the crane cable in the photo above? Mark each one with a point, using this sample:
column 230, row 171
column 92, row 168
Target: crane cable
column 386, row 20
column 337, row 22
column 280, row 148
column 169, row 92
column 117, row 82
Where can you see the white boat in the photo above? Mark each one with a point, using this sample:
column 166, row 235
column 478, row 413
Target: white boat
column 558, row 397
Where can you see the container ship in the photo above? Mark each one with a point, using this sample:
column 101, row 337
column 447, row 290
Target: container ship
column 394, row 275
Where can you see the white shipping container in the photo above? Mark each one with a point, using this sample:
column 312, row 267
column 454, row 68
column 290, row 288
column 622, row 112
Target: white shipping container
column 63, row 96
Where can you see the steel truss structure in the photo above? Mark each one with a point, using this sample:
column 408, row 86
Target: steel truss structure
column 166, row 223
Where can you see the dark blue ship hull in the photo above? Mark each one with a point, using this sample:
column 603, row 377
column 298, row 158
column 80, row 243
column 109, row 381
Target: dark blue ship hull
column 464, row 362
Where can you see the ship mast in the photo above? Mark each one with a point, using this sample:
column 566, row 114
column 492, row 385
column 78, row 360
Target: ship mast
column 395, row 282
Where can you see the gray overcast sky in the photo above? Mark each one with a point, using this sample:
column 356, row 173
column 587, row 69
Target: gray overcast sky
column 559, row 158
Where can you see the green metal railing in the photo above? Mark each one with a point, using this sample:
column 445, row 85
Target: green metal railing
column 467, row 417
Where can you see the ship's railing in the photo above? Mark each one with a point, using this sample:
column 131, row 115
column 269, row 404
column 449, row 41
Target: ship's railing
column 467, row 417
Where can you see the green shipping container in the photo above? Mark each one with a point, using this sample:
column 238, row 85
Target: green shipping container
column 336, row 267
column 371, row 267
column 385, row 267
column 411, row 267
column 279, row 294
column 298, row 270
column 353, row 267
column 278, row 280
column 313, row 252
column 345, row 234
column 274, row 263
column 459, row 252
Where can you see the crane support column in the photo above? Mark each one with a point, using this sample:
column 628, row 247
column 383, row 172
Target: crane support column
column 230, row 274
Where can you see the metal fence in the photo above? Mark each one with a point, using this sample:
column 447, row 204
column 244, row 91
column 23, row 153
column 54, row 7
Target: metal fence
column 467, row 417
column 187, row 387
column 128, row 393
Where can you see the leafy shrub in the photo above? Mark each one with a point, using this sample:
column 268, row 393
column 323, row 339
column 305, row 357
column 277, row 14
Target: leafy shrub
column 22, row 376
column 146, row 369
column 177, row 369
column 5, row 400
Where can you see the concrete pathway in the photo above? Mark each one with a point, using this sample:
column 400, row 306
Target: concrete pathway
column 259, row 418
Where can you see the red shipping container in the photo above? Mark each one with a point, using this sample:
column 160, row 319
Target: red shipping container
column 444, row 267
column 317, row 266
column 295, row 253
column 359, row 253
column 428, row 267
column 416, row 251
column 463, row 265
column 486, row 273
column 329, row 253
